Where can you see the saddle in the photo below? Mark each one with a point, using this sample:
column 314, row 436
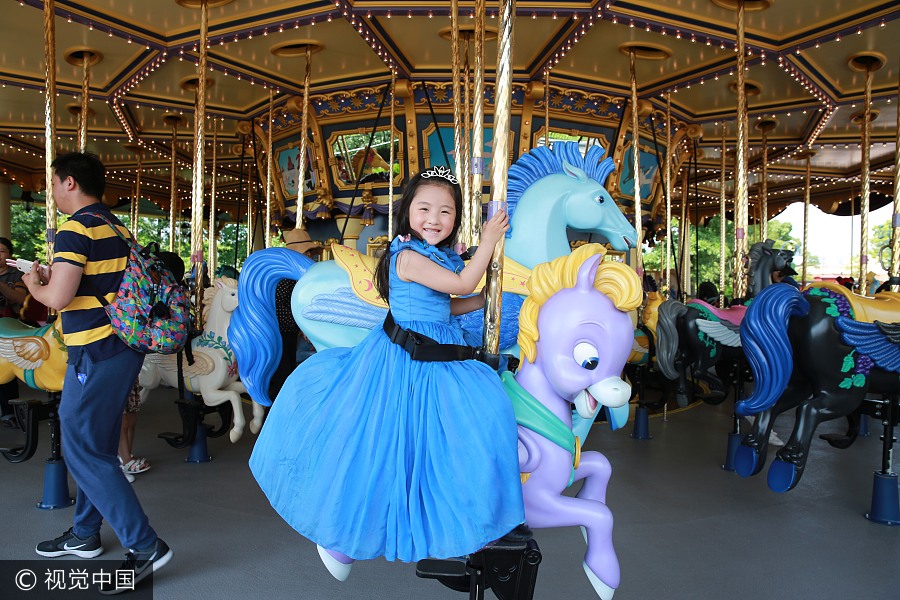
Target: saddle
column 733, row 314
column 884, row 307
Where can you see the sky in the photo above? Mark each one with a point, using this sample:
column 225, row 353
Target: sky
column 832, row 238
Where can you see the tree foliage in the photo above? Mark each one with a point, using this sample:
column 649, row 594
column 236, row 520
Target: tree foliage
column 705, row 249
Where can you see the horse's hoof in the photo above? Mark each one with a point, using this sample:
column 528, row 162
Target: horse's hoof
column 338, row 569
column 235, row 435
column 746, row 461
column 681, row 400
column 783, row 476
column 255, row 427
column 603, row 591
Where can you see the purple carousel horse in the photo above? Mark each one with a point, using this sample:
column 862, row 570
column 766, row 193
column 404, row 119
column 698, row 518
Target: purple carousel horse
column 575, row 335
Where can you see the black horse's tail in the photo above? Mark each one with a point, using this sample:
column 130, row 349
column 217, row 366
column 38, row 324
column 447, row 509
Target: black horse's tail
column 667, row 336
column 767, row 347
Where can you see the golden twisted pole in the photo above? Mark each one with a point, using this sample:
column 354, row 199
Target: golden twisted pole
column 457, row 101
column 250, row 222
column 474, row 201
column 765, row 126
column 173, row 120
column 50, row 122
column 636, row 168
column 741, row 192
column 465, row 233
column 199, row 161
column 547, row 107
column 499, row 172
column 895, row 223
column 85, row 97
column 304, row 124
column 866, row 185
column 136, row 202
column 211, row 228
column 807, row 154
column 684, row 239
column 668, row 183
column 722, row 229
column 269, row 164
column 391, row 155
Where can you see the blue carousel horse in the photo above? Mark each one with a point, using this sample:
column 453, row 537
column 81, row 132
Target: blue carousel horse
column 820, row 352
column 698, row 336
column 335, row 303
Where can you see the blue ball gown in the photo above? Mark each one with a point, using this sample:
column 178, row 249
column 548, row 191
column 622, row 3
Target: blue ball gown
column 370, row 453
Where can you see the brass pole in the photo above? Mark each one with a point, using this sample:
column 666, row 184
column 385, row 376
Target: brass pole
column 391, row 156
column 250, row 208
column 269, row 164
column 474, row 202
column 50, row 121
column 499, row 171
column 668, row 183
column 465, row 233
column 136, row 202
column 85, row 97
column 741, row 193
column 458, row 127
column 684, row 239
column 547, row 107
column 211, row 249
column 304, row 124
column 199, row 162
column 723, row 261
column 895, row 223
column 173, row 120
column 808, row 154
column 866, row 187
column 636, row 168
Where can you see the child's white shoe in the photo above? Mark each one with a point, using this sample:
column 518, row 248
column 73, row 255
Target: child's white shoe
column 338, row 570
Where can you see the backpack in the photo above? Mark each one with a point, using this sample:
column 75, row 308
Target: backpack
column 151, row 312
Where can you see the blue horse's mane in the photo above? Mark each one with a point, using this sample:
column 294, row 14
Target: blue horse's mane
column 542, row 161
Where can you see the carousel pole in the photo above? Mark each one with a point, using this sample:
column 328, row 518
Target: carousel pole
column 466, row 181
column 765, row 126
column 722, row 228
column 391, row 155
column 807, row 154
column 304, row 124
column 50, row 121
column 474, row 200
column 457, row 104
column 741, row 196
column 547, row 107
column 499, row 172
column 869, row 63
column 174, row 121
column 250, row 208
column 197, row 181
column 211, row 231
column 668, row 183
column 895, row 223
column 636, row 168
column 269, row 164
column 136, row 199
column 85, row 98
column 684, row 238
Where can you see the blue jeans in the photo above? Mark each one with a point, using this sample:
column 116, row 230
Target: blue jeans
column 90, row 415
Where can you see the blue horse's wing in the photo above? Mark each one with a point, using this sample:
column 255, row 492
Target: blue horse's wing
column 472, row 323
column 878, row 341
column 723, row 332
column 343, row 307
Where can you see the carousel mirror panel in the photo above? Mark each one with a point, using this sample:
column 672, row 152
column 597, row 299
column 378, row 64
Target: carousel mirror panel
column 349, row 163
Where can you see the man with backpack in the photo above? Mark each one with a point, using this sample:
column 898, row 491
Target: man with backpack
column 89, row 261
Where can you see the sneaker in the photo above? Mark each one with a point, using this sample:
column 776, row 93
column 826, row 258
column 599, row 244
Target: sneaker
column 69, row 543
column 142, row 563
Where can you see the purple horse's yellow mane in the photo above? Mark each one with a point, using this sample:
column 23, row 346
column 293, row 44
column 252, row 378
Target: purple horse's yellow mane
column 617, row 280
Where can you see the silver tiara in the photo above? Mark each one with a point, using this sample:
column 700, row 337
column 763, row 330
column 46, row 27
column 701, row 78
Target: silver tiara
column 440, row 171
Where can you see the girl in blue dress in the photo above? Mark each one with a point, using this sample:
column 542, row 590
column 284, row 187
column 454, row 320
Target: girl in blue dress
column 369, row 452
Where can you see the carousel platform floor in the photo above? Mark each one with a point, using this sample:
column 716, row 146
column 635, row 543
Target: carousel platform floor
column 684, row 528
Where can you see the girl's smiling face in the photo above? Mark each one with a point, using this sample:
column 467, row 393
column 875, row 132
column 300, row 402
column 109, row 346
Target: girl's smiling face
column 432, row 213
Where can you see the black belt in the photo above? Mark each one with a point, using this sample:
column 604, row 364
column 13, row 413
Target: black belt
column 421, row 347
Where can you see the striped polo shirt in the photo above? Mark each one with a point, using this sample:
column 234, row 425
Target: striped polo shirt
column 87, row 241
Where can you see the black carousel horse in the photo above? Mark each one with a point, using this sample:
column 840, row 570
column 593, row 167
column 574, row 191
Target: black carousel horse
column 706, row 339
column 820, row 352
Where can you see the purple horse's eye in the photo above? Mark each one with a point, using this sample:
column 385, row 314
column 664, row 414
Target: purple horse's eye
column 586, row 355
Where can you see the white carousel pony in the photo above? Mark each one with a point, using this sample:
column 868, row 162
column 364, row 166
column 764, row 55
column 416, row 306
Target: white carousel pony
column 214, row 374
